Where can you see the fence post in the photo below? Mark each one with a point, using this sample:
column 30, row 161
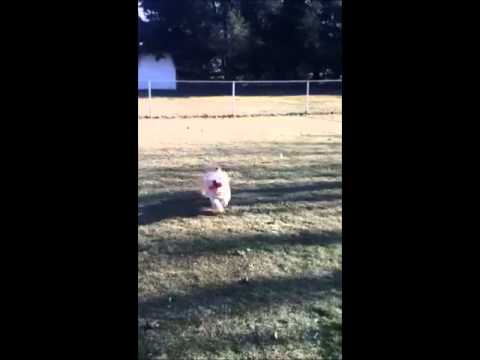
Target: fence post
column 307, row 98
column 233, row 98
column 150, row 99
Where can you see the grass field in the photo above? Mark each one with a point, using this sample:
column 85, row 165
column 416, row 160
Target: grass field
column 262, row 281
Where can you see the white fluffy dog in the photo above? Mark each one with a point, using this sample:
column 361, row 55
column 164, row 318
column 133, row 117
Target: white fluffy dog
column 216, row 187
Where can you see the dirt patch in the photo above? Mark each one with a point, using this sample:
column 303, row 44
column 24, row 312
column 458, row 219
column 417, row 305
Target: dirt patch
column 158, row 133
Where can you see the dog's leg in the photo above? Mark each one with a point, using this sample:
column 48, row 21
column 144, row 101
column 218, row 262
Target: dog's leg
column 224, row 203
column 217, row 205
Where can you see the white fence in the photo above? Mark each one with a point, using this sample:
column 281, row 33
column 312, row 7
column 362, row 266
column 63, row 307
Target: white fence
column 220, row 98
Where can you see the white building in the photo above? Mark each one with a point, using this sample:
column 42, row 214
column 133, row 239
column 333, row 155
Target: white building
column 161, row 73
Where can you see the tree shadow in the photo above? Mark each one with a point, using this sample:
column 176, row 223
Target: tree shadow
column 253, row 296
column 279, row 190
column 159, row 206
column 185, row 204
column 321, row 191
column 177, row 315
column 240, row 244
column 180, row 311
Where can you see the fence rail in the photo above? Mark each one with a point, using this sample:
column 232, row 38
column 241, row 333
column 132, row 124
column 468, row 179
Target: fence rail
column 244, row 81
column 239, row 97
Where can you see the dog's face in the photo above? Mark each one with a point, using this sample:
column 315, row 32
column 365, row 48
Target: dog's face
column 215, row 185
column 216, row 182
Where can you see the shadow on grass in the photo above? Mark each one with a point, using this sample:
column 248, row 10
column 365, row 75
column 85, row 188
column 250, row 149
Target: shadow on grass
column 179, row 314
column 187, row 204
column 280, row 190
column 239, row 244
column 183, row 204
column 240, row 298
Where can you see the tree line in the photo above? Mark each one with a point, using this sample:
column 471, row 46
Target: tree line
column 245, row 39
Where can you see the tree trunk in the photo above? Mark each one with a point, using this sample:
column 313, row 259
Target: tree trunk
column 226, row 74
column 226, row 56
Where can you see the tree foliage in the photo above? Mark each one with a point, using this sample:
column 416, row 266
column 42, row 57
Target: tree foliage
column 245, row 39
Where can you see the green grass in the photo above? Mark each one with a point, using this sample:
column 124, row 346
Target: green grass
column 263, row 280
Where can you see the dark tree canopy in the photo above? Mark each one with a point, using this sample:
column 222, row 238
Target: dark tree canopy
column 245, row 39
